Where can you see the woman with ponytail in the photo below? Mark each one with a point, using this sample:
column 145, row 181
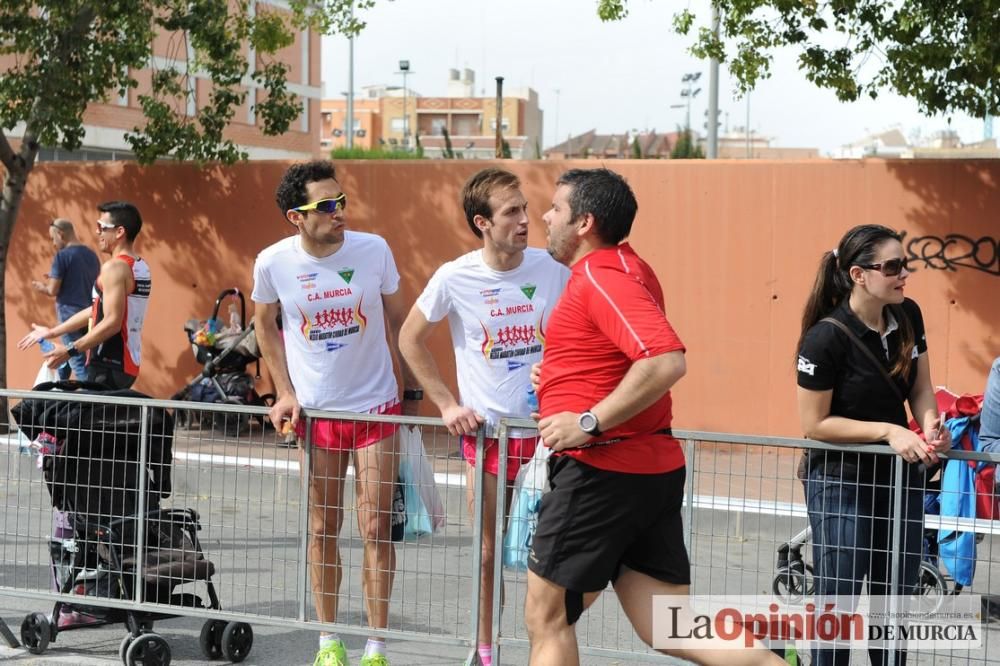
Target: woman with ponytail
column 850, row 396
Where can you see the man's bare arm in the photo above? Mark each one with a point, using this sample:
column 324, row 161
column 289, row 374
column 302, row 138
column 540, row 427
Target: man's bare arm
column 272, row 349
column 395, row 314
column 413, row 346
column 116, row 280
column 644, row 383
column 50, row 287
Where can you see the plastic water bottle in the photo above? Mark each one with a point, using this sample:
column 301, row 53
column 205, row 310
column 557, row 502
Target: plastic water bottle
column 532, row 401
column 23, row 445
column 234, row 319
column 46, row 346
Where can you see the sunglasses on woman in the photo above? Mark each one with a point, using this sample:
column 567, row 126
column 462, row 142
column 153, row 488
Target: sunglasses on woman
column 327, row 206
column 889, row 268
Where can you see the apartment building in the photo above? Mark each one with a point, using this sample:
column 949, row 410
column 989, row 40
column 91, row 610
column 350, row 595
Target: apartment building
column 394, row 117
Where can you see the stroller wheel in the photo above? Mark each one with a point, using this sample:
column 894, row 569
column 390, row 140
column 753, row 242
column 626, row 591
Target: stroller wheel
column 931, row 589
column 793, row 583
column 36, row 632
column 211, row 638
column 148, row 650
column 237, row 640
column 123, row 648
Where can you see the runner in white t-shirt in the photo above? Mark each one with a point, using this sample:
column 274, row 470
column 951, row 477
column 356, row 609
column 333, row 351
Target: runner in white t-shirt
column 497, row 301
column 334, row 290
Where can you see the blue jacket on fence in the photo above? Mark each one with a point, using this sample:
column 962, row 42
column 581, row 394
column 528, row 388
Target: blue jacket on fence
column 958, row 500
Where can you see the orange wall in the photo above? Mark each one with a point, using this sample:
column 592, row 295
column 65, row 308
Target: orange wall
column 736, row 246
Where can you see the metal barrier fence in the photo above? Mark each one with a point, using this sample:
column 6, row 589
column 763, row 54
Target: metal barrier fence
column 245, row 548
column 744, row 517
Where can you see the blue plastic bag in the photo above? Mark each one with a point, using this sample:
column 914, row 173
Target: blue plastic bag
column 418, row 520
column 424, row 508
column 521, row 528
column 530, row 485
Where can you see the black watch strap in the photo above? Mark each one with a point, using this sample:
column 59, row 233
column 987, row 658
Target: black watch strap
column 413, row 394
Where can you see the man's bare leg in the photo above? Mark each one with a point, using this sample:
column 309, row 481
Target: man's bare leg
column 635, row 593
column 377, row 467
column 326, row 516
column 489, row 545
column 552, row 637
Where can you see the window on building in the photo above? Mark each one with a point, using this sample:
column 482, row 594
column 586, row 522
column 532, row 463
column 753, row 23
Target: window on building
column 397, row 124
column 504, row 125
column 466, row 125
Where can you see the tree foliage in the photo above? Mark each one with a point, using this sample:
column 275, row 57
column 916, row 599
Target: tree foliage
column 345, row 153
column 944, row 54
column 687, row 147
column 59, row 56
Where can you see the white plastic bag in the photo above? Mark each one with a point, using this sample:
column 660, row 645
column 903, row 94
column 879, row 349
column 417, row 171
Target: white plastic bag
column 531, row 483
column 45, row 375
column 424, row 508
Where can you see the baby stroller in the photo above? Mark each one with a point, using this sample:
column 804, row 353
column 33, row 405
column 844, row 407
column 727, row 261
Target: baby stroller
column 793, row 580
column 224, row 353
column 91, row 467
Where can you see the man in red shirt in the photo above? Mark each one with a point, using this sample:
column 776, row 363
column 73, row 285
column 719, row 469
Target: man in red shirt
column 616, row 472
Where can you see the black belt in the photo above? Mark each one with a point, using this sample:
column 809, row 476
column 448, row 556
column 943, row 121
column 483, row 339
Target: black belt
column 663, row 431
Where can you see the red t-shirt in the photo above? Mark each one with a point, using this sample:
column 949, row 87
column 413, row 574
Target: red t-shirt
column 609, row 316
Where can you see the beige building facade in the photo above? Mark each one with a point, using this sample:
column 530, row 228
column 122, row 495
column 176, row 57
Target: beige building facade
column 382, row 115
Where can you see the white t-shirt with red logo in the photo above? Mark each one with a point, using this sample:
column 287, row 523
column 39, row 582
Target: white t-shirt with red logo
column 497, row 321
column 333, row 322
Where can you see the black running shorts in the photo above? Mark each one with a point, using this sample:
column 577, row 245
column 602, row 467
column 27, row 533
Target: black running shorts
column 594, row 521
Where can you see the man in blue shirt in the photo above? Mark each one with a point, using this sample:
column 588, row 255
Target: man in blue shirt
column 71, row 280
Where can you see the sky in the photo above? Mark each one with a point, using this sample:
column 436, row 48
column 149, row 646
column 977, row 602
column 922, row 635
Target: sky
column 611, row 77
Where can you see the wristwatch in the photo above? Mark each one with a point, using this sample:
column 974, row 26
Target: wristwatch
column 413, row 394
column 588, row 423
column 72, row 350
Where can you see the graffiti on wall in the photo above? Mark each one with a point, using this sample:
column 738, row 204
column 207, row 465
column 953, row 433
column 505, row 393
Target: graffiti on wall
column 953, row 252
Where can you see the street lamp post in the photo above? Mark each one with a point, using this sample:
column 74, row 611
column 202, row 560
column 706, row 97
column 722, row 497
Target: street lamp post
column 350, row 88
column 404, row 69
column 713, row 93
column 689, row 93
column 557, row 119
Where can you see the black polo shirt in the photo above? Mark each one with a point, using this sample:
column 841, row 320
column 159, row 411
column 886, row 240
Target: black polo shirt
column 829, row 360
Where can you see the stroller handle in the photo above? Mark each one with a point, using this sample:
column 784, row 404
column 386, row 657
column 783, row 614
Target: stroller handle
column 232, row 291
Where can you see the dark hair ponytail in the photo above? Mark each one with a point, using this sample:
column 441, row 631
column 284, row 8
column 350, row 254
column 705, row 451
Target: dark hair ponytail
column 833, row 284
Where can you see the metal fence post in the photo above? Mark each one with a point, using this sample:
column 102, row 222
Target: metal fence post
column 498, row 539
column 304, row 474
column 143, row 481
column 897, row 539
column 689, row 496
column 477, row 544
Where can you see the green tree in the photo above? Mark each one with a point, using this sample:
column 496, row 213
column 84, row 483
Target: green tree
column 686, row 147
column 636, row 149
column 344, row 153
column 505, row 149
column 943, row 54
column 61, row 55
column 448, row 153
